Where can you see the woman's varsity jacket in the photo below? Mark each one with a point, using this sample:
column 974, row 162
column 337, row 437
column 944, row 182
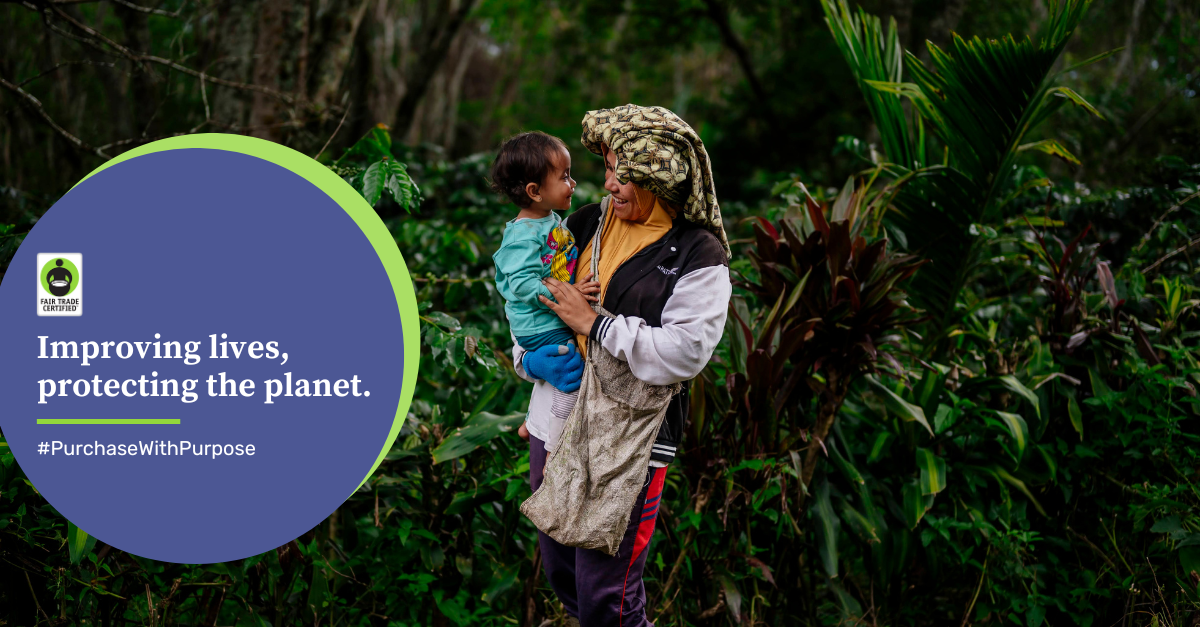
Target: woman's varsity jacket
column 670, row 301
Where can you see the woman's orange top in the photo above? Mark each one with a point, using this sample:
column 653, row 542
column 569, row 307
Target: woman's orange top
column 621, row 240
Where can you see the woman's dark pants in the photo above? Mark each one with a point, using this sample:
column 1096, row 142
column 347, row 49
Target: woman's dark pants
column 599, row 589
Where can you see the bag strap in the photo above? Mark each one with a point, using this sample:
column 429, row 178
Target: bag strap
column 598, row 237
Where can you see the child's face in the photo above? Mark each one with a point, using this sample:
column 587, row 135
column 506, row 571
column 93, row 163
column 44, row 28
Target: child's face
column 555, row 192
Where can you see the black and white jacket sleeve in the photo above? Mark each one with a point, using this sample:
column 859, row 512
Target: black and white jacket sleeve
column 691, row 324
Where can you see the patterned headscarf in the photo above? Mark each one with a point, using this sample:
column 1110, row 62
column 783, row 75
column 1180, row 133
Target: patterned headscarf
column 660, row 152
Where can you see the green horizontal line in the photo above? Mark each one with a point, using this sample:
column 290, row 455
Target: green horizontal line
column 108, row 421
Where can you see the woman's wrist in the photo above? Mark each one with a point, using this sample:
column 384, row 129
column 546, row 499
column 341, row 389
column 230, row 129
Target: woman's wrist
column 585, row 328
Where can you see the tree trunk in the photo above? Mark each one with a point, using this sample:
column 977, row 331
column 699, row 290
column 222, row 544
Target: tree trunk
column 230, row 57
column 720, row 17
column 465, row 53
column 265, row 110
column 141, row 95
column 335, row 33
column 444, row 28
column 1130, row 36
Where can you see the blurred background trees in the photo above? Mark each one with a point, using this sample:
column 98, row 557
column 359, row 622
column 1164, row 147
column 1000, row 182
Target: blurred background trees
column 1006, row 436
column 762, row 81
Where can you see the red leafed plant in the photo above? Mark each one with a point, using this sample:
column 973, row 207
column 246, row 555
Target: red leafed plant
column 832, row 302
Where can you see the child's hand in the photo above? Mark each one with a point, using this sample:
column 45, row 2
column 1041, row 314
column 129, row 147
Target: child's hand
column 588, row 287
column 523, row 432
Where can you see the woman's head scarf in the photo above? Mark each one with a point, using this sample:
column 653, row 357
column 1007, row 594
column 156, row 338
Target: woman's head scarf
column 660, row 152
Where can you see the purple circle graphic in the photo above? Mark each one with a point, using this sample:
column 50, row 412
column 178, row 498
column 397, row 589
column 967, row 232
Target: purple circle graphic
column 199, row 263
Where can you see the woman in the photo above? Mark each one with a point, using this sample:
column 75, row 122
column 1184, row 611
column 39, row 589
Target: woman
column 664, row 274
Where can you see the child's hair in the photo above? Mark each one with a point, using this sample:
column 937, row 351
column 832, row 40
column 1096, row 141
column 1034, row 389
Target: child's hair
column 524, row 158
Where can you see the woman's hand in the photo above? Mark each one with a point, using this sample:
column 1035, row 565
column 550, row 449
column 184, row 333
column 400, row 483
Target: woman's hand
column 588, row 288
column 572, row 306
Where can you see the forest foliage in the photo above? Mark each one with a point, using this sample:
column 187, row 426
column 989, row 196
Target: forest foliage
column 958, row 382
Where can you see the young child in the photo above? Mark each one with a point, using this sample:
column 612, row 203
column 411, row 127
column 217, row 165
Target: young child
column 534, row 171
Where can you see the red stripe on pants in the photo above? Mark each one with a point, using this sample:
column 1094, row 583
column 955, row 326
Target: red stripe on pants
column 645, row 527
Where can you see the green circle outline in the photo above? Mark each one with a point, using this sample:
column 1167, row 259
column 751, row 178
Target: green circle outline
column 355, row 206
column 75, row 274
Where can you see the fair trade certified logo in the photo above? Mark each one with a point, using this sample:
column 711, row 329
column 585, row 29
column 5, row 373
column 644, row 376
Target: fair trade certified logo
column 59, row 290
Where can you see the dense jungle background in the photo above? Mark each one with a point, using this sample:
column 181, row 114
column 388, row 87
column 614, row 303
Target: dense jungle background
column 958, row 384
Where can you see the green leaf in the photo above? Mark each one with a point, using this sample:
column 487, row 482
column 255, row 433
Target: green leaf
column 1019, row 388
column 1190, row 539
column 1167, row 525
column 930, row 383
column 1099, row 57
column 1076, row 99
column 1189, row 558
column 454, row 607
column 444, row 320
column 851, row 610
column 1047, row 453
column 373, row 181
column 479, row 429
column 943, row 418
column 1099, row 388
column 933, row 471
column 502, row 579
column 486, row 396
column 1075, row 415
column 914, row 504
column 1051, row 147
column 403, row 530
column 1017, row 428
column 1034, row 616
column 401, row 186
column 827, row 528
column 318, row 590
column 896, row 405
column 733, row 596
column 373, row 146
column 1018, row 484
column 79, row 543
column 432, row 556
column 879, row 446
column 910, row 90
column 223, row 568
column 847, row 469
column 1039, row 221
column 863, row 525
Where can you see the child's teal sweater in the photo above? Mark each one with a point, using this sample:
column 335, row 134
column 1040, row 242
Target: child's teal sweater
column 531, row 251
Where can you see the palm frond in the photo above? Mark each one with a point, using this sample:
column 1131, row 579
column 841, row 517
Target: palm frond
column 875, row 55
column 980, row 98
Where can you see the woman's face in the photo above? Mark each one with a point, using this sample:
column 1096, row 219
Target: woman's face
column 629, row 202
